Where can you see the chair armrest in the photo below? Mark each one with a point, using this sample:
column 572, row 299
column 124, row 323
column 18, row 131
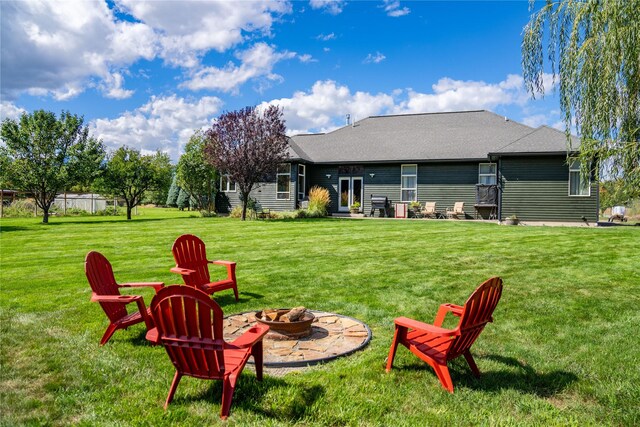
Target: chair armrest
column 414, row 324
column 221, row 262
column 115, row 298
column 153, row 336
column 155, row 285
column 182, row 271
column 456, row 310
column 249, row 338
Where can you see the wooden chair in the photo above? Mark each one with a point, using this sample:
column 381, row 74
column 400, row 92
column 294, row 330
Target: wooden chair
column 189, row 326
column 106, row 292
column 192, row 264
column 261, row 213
column 436, row 345
column 457, row 211
column 429, row 210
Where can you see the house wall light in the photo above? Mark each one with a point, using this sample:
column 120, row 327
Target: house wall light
column 372, row 175
column 328, row 176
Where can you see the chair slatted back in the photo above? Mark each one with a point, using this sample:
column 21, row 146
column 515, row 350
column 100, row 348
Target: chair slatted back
column 190, row 328
column 102, row 281
column 476, row 314
column 190, row 252
column 458, row 207
column 430, row 207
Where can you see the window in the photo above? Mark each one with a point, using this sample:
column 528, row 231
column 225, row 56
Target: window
column 302, row 191
column 487, row 173
column 409, row 183
column 283, row 181
column 577, row 185
column 226, row 185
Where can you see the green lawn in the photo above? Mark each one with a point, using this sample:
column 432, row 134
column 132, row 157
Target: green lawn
column 564, row 348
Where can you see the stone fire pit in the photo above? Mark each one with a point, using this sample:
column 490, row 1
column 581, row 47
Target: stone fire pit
column 286, row 323
column 331, row 336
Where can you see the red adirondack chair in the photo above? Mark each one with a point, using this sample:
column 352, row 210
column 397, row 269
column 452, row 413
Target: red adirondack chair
column 436, row 345
column 106, row 292
column 189, row 325
column 192, row 263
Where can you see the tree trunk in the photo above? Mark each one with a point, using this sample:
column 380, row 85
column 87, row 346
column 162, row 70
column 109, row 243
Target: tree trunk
column 45, row 215
column 128, row 210
column 245, row 202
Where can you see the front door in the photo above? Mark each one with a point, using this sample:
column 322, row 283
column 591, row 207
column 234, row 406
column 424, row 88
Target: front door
column 350, row 192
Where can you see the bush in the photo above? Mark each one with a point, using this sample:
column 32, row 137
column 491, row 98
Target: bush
column 319, row 201
column 20, row 209
column 76, row 212
column 207, row 214
column 110, row 211
column 236, row 212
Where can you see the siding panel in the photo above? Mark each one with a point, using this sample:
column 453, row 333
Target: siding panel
column 537, row 189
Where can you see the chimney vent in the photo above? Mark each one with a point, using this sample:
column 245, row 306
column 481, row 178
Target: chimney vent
column 348, row 117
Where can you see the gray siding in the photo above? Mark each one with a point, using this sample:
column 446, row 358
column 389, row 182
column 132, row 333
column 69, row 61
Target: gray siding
column 443, row 183
column 537, row 189
column 265, row 194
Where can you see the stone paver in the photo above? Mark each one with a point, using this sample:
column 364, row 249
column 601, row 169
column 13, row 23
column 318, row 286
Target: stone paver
column 331, row 335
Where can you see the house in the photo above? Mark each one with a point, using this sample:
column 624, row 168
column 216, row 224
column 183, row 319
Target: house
column 436, row 157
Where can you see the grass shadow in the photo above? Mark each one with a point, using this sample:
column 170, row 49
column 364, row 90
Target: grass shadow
column 228, row 299
column 250, row 394
column 107, row 220
column 524, row 379
column 8, row 228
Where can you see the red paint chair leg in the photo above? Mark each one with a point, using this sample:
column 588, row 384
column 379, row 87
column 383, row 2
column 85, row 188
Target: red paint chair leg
column 442, row 371
column 257, row 353
column 472, row 363
column 228, row 388
column 108, row 333
column 172, row 390
column 235, row 291
column 394, row 346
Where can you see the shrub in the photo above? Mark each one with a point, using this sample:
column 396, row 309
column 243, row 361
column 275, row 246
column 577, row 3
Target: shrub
column 207, row 214
column 110, row 211
column 20, row 209
column 319, row 201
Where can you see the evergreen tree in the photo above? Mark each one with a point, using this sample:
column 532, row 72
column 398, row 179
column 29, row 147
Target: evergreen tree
column 174, row 191
column 183, row 200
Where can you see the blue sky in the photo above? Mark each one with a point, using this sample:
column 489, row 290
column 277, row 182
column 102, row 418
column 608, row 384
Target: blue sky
column 147, row 74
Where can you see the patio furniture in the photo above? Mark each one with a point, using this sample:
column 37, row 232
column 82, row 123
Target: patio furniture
column 436, row 345
column 486, row 201
column 382, row 204
column 261, row 213
column 106, row 292
column 192, row 264
column 429, row 210
column 617, row 212
column 457, row 211
column 400, row 210
column 189, row 325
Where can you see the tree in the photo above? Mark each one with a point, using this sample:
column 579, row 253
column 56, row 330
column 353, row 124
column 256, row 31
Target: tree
column 128, row 175
column 594, row 51
column 184, row 200
column 174, row 190
column 47, row 154
column 247, row 146
column 195, row 175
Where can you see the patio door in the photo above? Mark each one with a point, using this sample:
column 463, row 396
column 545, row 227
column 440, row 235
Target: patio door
column 350, row 189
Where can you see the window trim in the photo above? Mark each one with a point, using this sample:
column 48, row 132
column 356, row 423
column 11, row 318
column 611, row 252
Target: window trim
column 302, row 194
column 572, row 171
column 278, row 174
column 228, row 189
column 494, row 175
column 402, row 189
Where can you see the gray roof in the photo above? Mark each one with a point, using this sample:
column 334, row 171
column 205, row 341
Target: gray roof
column 541, row 140
column 469, row 135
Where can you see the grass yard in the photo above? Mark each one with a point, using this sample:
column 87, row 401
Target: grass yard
column 564, row 348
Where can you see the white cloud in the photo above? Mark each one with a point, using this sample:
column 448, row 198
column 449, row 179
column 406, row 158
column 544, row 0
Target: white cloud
column 326, row 37
column 9, row 110
column 257, row 61
column 333, row 7
column 59, row 48
column 323, row 108
column 306, row 58
column 375, row 59
column 163, row 123
column 458, row 95
column 392, row 7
